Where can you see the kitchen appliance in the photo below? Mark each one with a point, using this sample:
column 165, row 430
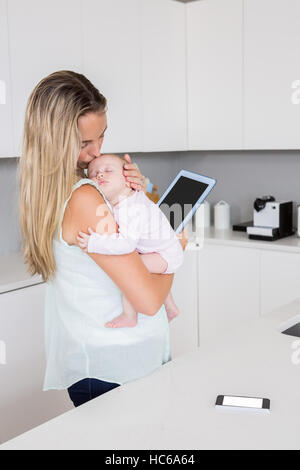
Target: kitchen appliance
column 272, row 220
column 222, row 215
column 242, row 227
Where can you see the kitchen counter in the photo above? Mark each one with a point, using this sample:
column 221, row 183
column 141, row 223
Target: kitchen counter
column 13, row 273
column 240, row 239
column 173, row 408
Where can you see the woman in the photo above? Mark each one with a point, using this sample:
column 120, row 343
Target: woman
column 64, row 129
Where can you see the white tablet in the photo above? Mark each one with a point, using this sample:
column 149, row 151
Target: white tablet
column 184, row 196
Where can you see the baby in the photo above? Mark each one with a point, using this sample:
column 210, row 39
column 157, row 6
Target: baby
column 142, row 226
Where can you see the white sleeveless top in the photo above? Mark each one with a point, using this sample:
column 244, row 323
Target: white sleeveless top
column 79, row 300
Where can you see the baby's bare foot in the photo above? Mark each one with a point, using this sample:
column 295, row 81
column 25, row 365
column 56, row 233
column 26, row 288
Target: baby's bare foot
column 121, row 321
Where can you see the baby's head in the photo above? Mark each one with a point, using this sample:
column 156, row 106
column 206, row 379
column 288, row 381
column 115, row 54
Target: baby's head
column 107, row 172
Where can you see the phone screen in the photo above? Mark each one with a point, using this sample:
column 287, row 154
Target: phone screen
column 243, row 402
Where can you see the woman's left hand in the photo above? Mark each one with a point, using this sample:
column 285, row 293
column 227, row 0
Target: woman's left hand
column 183, row 239
column 133, row 176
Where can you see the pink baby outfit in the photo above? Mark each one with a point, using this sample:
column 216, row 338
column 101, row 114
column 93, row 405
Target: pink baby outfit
column 142, row 226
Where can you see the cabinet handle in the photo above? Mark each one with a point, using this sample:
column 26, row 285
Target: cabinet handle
column 2, row 92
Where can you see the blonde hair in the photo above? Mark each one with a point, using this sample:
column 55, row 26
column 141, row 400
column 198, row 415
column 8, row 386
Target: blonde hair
column 48, row 169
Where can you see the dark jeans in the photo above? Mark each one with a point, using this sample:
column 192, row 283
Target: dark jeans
column 87, row 389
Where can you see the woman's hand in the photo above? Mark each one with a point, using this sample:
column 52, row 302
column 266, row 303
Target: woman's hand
column 133, row 176
column 83, row 240
column 183, row 239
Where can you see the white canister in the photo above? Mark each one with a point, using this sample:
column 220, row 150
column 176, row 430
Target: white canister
column 222, row 215
column 202, row 216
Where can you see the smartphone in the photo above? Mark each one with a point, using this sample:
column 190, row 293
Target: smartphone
column 243, row 403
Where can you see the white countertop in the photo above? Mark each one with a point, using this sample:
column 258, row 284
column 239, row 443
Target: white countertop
column 13, row 273
column 240, row 239
column 173, row 408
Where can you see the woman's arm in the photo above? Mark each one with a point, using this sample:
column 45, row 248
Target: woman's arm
column 146, row 292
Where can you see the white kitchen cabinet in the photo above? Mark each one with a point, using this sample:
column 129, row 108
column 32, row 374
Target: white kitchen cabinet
column 228, row 288
column 163, row 76
column 43, row 37
column 23, row 404
column 214, row 74
column 271, row 60
column 184, row 328
column 280, row 280
column 6, row 125
column 112, row 61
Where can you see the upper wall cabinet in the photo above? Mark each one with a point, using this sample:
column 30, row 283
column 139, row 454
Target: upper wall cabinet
column 6, row 141
column 214, row 71
column 112, row 61
column 272, row 74
column 204, row 75
column 163, row 75
column 44, row 37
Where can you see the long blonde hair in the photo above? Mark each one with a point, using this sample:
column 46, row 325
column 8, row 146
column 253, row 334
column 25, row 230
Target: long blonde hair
column 48, row 169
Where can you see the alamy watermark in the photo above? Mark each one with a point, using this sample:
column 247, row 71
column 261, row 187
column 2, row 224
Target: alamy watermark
column 133, row 216
column 2, row 353
column 296, row 354
column 295, row 97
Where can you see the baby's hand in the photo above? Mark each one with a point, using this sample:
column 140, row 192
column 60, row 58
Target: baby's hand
column 83, row 240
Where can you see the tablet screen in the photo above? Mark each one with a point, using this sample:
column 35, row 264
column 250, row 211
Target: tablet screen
column 180, row 200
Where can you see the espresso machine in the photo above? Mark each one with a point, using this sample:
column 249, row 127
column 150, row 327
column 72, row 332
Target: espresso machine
column 272, row 220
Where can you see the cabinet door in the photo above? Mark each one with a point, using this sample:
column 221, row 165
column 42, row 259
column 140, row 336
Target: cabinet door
column 184, row 328
column 272, row 45
column 44, row 37
column 280, row 280
column 164, row 76
column 112, row 61
column 23, row 404
column 6, row 147
column 214, row 73
column 229, row 288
